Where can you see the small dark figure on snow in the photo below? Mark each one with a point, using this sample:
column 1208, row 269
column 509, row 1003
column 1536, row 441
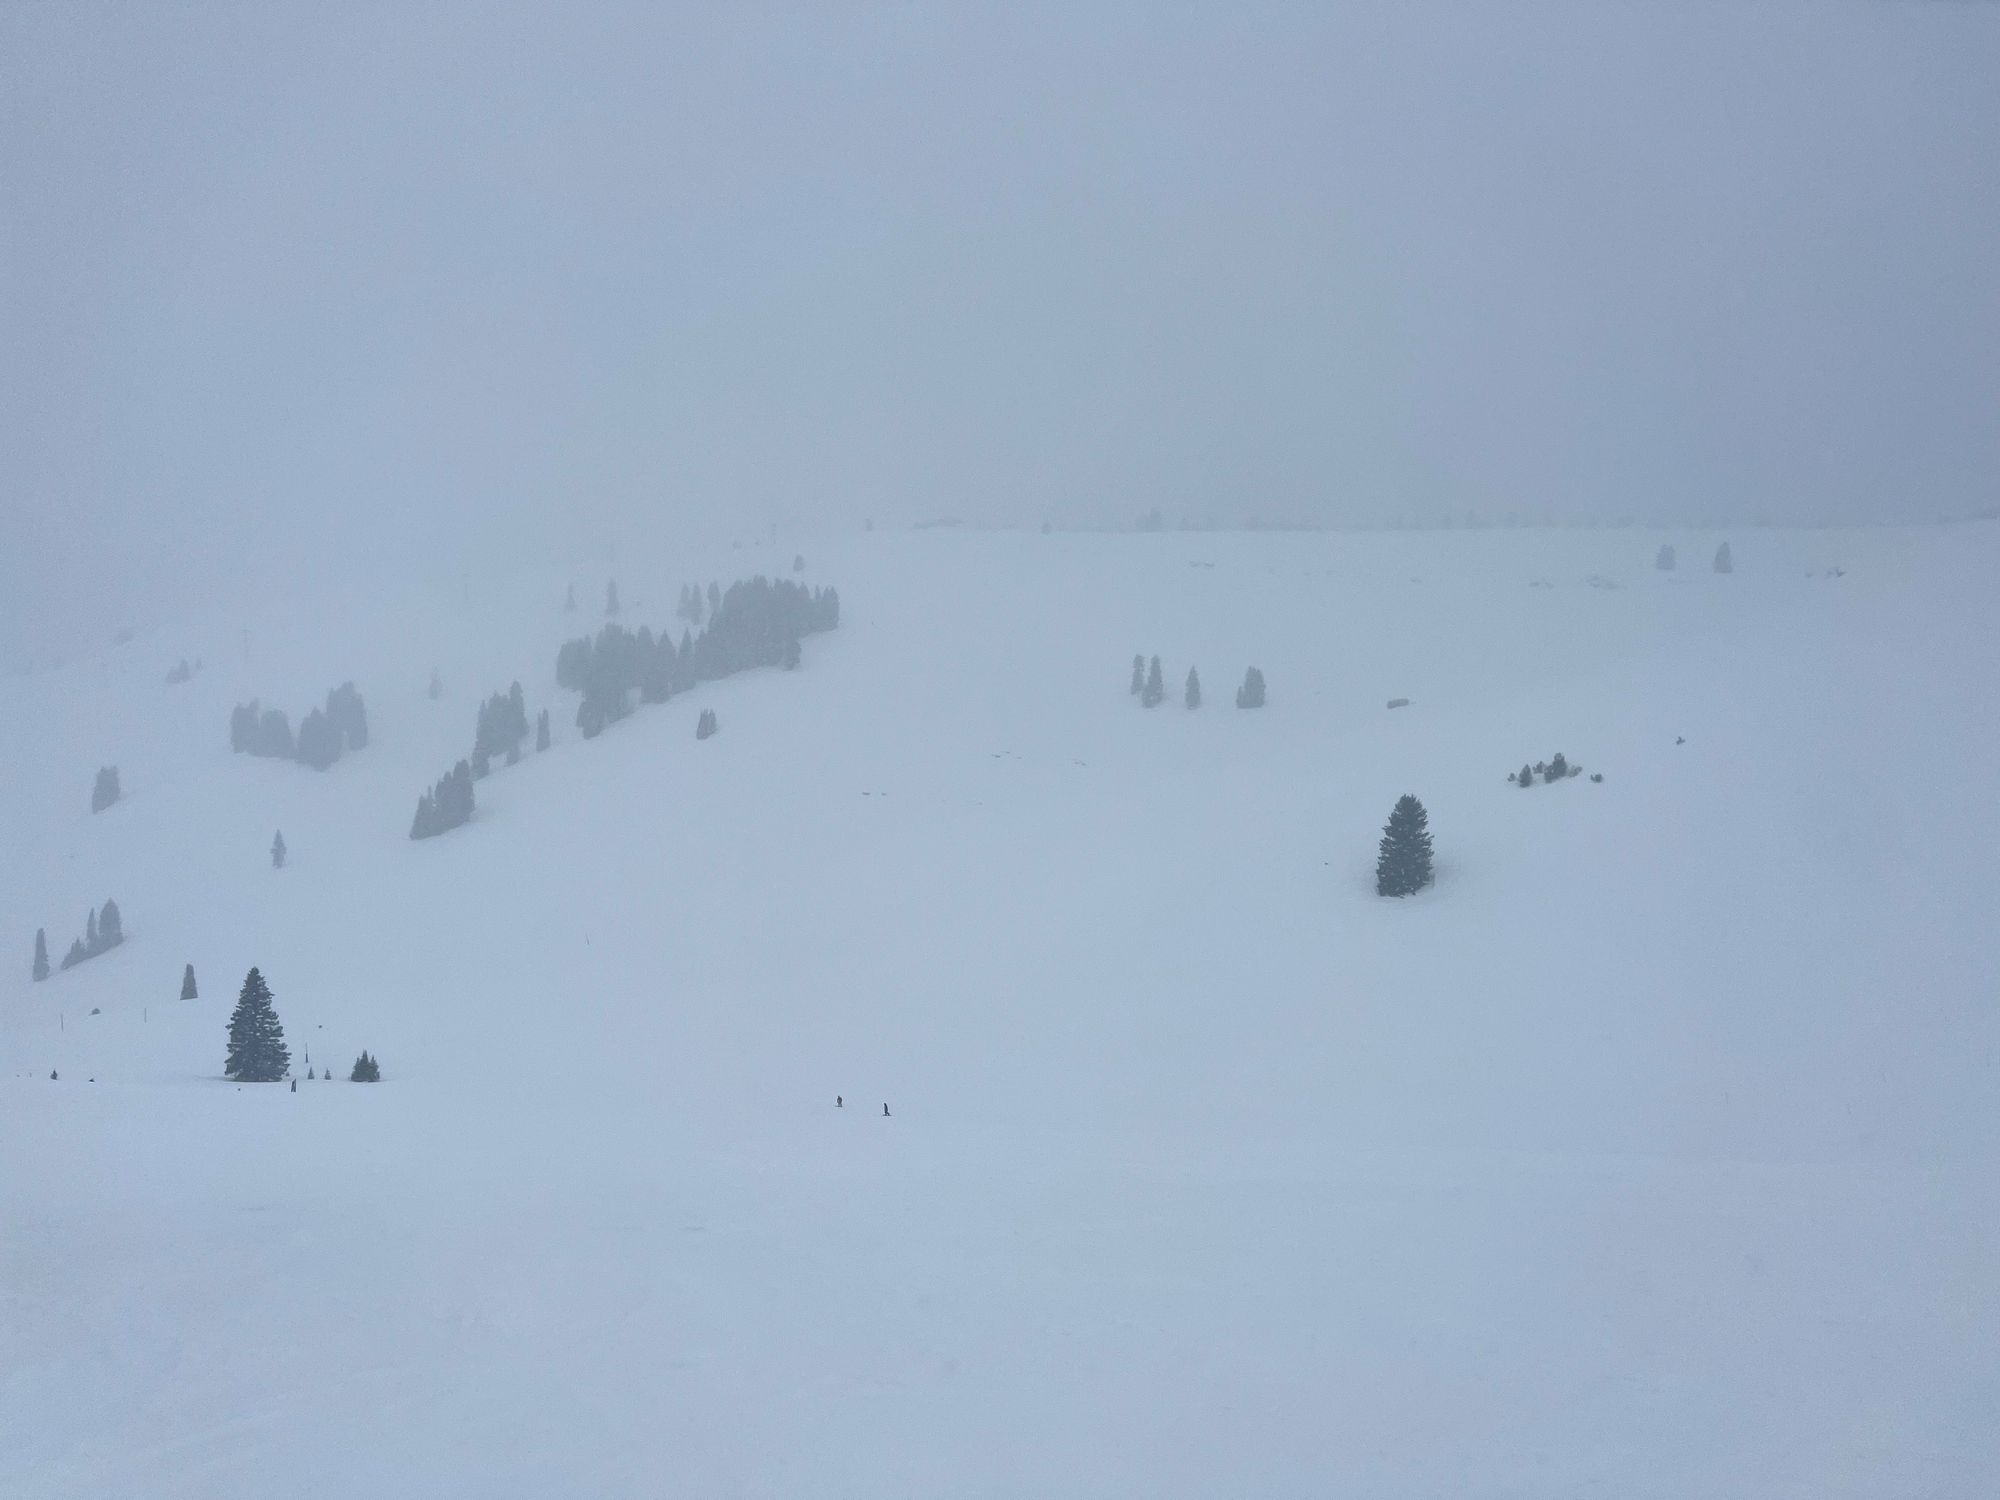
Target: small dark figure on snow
column 837, row 1102
column 885, row 1111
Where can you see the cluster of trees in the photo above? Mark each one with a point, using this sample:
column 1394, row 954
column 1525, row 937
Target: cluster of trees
column 692, row 602
column 181, row 672
column 1403, row 862
column 1555, row 768
column 104, row 931
column 105, row 791
column 1149, row 686
column 503, row 724
column 365, row 1070
column 446, row 805
column 705, row 725
column 755, row 623
column 324, row 734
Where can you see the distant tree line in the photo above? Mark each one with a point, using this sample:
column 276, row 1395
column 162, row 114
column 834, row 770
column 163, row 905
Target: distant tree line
column 446, row 805
column 324, row 734
column 503, row 724
column 104, row 931
column 756, row 622
column 1150, row 688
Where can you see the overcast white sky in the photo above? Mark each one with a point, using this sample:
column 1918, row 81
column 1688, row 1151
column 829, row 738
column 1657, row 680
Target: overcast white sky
column 301, row 285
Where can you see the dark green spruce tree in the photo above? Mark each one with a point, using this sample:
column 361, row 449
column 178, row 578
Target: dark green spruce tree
column 1404, row 866
column 1155, row 688
column 256, row 1041
column 187, row 983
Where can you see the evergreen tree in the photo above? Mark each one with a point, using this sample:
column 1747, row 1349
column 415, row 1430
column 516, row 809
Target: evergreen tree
column 347, row 714
column 1723, row 562
column 1665, row 561
column 1527, row 774
column 105, row 792
column 257, row 1052
column 569, row 600
column 705, row 726
column 1138, row 674
column 1193, row 693
column 436, row 689
column 187, row 984
column 110, row 927
column 542, row 730
column 1155, row 688
column 1404, row 865
column 319, row 740
column 90, row 934
column 1251, row 694
column 76, row 954
column 274, row 735
column 611, row 598
column 1558, row 768
column 791, row 658
column 366, row 1070
column 41, row 969
column 278, row 850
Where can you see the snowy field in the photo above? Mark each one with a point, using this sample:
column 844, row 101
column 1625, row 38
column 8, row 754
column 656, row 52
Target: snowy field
column 1655, row 1151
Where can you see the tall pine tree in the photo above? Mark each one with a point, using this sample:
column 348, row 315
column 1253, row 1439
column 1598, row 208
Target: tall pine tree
column 187, row 983
column 41, row 953
column 1193, row 694
column 256, row 1041
column 1404, row 865
column 1155, row 688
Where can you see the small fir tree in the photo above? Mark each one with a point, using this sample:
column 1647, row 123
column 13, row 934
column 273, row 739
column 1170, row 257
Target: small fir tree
column 569, row 600
column 1723, row 562
column 188, row 991
column 705, row 726
column 1138, row 674
column 542, row 730
column 1251, row 694
column 1403, row 866
column 1193, row 693
column 1665, row 561
column 257, row 1052
column 278, row 850
column 611, row 598
column 1156, row 689
column 41, row 969
column 110, row 926
column 105, row 792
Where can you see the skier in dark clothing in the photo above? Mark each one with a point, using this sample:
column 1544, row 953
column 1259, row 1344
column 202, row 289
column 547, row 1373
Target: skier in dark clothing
column 885, row 1111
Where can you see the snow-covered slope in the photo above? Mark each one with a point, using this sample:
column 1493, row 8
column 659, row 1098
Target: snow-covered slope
column 1651, row 1153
